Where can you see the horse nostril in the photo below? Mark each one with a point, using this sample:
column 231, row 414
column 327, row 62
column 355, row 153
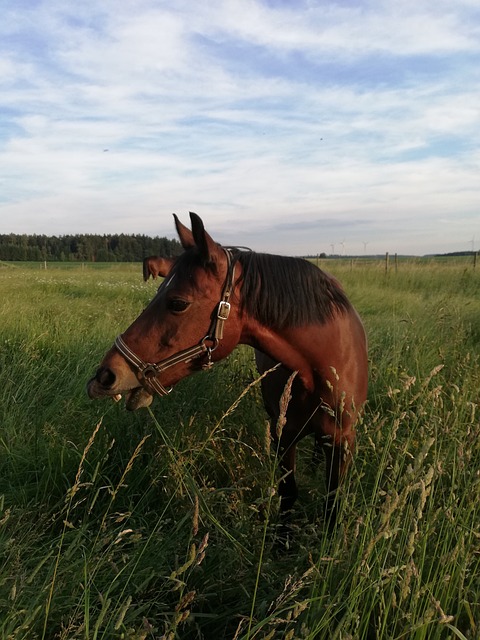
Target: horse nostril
column 105, row 377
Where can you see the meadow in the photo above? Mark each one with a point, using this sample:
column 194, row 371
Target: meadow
column 161, row 523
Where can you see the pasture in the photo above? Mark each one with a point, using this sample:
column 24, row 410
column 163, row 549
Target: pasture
column 161, row 523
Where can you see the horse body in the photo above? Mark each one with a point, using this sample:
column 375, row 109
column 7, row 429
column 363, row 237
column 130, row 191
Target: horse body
column 156, row 266
column 327, row 396
column 288, row 310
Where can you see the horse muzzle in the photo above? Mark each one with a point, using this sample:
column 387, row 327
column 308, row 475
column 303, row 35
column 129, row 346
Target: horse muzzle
column 106, row 384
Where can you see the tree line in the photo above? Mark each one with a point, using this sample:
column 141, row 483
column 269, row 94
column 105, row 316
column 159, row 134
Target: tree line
column 85, row 248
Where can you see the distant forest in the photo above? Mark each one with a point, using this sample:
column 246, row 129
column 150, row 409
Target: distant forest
column 85, row 248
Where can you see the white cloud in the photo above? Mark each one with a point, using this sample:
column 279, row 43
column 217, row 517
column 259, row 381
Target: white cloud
column 363, row 117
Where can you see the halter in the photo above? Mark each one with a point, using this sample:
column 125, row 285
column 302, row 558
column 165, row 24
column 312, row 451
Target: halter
column 149, row 371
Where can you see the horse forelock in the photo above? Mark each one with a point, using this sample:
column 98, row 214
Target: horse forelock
column 284, row 292
column 186, row 267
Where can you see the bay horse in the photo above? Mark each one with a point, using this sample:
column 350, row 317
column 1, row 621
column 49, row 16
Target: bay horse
column 156, row 266
column 289, row 310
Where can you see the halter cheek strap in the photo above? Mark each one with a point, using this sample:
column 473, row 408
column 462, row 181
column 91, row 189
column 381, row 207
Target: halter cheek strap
column 149, row 371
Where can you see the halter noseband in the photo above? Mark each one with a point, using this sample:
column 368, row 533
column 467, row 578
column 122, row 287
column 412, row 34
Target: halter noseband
column 149, row 371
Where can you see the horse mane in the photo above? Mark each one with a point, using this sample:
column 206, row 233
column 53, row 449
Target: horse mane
column 278, row 291
column 284, row 292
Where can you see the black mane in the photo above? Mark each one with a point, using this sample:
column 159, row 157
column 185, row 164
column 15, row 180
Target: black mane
column 283, row 292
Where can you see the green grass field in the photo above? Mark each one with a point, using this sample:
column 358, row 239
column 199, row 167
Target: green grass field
column 161, row 523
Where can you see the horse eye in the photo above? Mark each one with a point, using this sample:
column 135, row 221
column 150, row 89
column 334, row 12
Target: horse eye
column 177, row 305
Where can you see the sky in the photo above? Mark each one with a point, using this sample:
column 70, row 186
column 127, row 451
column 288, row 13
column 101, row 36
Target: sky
column 290, row 126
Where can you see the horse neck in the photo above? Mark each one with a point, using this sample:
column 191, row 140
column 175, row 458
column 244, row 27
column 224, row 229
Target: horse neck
column 285, row 346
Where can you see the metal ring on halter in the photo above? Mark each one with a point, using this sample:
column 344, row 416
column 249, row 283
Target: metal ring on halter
column 214, row 342
column 150, row 371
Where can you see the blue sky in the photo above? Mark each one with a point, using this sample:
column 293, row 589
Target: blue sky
column 291, row 127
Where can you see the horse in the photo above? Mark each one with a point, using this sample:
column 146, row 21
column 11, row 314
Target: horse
column 156, row 266
column 295, row 316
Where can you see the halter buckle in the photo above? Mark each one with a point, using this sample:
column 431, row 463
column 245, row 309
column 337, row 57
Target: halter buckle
column 223, row 310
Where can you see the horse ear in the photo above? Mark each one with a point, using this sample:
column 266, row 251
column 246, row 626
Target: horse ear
column 207, row 247
column 185, row 235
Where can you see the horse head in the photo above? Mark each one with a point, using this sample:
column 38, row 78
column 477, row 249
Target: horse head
column 181, row 329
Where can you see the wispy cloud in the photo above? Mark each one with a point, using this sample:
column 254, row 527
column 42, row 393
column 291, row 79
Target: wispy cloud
column 290, row 126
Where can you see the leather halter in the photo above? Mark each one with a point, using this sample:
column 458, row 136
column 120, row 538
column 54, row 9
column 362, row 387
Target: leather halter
column 149, row 371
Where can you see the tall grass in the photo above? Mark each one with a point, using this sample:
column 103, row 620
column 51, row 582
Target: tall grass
column 161, row 523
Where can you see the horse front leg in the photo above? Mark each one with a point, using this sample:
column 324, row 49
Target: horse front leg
column 287, row 488
column 338, row 448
